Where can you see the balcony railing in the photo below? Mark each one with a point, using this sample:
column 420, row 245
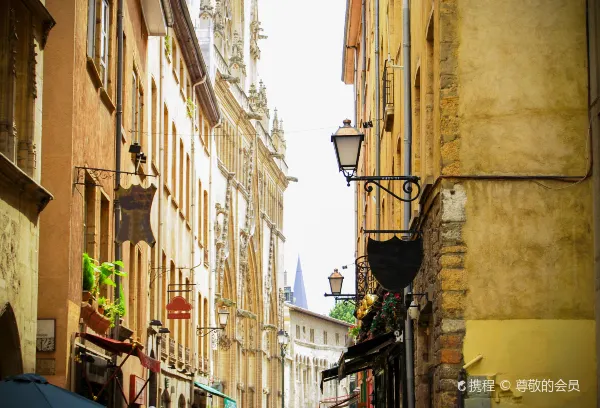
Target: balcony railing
column 171, row 347
column 188, row 361
column 220, row 62
column 180, row 352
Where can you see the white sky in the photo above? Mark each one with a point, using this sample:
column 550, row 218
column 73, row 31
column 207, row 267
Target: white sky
column 301, row 67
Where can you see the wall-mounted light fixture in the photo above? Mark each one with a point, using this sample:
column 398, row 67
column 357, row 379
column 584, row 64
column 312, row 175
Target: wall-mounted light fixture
column 336, row 280
column 347, row 141
column 223, row 315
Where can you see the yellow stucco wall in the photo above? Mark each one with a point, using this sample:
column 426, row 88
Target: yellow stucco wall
column 535, row 350
column 529, row 251
column 523, row 86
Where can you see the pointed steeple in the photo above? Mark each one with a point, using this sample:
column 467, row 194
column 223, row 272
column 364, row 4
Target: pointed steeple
column 299, row 291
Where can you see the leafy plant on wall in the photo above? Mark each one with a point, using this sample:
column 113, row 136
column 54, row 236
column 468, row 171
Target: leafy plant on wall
column 95, row 276
column 190, row 108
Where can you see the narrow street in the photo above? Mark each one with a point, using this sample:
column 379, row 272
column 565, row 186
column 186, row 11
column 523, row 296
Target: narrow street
column 299, row 204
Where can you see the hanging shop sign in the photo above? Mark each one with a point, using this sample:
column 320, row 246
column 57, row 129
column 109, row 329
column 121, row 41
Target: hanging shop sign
column 395, row 262
column 178, row 308
column 136, row 203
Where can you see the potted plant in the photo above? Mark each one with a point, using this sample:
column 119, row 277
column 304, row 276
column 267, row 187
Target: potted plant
column 89, row 280
column 102, row 302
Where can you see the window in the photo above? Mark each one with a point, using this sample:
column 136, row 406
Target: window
column 188, row 178
column 174, row 162
column 154, row 125
column 131, row 281
column 297, row 331
column 98, row 36
column 136, row 110
column 181, row 175
column 205, row 226
column 165, row 165
column 324, row 337
column 312, row 335
column 337, row 339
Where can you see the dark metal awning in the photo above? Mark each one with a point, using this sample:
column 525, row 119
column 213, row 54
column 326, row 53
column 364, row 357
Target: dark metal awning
column 358, row 358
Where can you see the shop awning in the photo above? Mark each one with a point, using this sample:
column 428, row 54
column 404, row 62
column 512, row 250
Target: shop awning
column 229, row 402
column 120, row 347
column 358, row 358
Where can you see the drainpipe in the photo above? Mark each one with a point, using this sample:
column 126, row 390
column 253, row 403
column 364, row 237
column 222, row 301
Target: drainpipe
column 118, row 143
column 193, row 241
column 158, row 272
column 213, row 271
column 408, row 328
column 377, row 121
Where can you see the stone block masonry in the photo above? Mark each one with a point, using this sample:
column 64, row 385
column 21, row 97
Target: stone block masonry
column 438, row 350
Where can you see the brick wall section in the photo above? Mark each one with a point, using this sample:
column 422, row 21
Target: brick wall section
column 449, row 87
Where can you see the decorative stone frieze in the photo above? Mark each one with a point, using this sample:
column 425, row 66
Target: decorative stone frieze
column 236, row 60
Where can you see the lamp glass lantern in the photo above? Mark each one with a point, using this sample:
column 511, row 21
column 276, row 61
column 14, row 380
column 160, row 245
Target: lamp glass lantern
column 223, row 316
column 347, row 141
column 283, row 338
column 335, row 282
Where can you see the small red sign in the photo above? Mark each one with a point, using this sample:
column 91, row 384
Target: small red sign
column 136, row 384
column 179, row 308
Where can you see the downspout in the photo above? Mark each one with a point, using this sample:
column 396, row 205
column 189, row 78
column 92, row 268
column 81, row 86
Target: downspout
column 408, row 328
column 116, row 204
column 213, row 271
column 160, row 271
column 377, row 123
column 193, row 350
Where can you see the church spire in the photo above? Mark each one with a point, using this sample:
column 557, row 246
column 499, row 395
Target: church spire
column 299, row 291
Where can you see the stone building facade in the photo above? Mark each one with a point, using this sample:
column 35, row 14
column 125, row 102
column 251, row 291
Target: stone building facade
column 248, row 179
column 168, row 114
column 505, row 208
column 316, row 344
column 25, row 26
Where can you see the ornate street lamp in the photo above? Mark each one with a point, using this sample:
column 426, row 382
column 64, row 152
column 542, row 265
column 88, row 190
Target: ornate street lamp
column 283, row 339
column 223, row 315
column 347, row 141
column 336, row 280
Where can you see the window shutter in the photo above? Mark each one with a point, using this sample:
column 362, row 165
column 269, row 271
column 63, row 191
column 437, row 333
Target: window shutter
column 91, row 29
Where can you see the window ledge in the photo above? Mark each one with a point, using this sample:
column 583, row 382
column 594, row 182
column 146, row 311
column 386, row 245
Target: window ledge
column 175, row 75
column 155, row 168
column 94, row 73
column 107, row 100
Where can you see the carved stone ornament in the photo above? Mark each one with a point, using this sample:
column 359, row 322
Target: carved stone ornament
column 236, row 60
column 206, row 10
column 219, row 19
column 224, row 342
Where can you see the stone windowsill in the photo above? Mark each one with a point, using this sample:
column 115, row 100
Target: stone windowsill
column 13, row 175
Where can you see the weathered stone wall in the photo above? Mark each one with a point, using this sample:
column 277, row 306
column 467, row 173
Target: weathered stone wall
column 19, row 237
column 438, row 341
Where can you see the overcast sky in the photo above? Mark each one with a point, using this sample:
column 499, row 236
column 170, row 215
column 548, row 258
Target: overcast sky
column 301, row 66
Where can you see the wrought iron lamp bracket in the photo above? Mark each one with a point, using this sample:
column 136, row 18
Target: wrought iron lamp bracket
column 409, row 186
column 102, row 174
column 349, row 297
column 210, row 330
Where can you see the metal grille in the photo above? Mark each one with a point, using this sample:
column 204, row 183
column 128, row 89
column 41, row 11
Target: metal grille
column 388, row 85
column 365, row 282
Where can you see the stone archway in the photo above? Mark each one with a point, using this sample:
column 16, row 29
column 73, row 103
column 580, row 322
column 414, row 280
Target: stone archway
column 11, row 361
